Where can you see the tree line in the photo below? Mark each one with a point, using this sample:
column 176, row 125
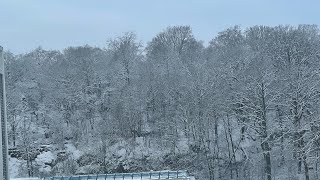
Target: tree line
column 246, row 106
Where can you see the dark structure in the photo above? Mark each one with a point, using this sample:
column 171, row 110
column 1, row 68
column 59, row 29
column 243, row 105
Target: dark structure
column 4, row 174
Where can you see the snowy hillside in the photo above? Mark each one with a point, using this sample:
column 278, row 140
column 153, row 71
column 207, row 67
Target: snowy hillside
column 244, row 106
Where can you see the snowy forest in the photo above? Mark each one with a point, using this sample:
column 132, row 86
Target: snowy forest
column 244, row 106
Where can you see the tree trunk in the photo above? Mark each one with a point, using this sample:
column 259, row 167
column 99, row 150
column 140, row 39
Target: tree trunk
column 13, row 128
column 228, row 147
column 210, row 166
column 265, row 145
column 306, row 168
column 266, row 153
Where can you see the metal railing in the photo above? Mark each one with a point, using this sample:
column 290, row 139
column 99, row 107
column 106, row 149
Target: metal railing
column 181, row 174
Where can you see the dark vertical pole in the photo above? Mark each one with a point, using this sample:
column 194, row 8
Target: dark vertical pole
column 4, row 175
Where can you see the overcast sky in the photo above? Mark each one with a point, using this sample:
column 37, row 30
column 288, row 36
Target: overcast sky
column 56, row 24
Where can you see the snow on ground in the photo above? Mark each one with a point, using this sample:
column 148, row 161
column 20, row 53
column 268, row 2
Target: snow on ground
column 183, row 145
column 14, row 165
column 42, row 159
column 119, row 150
column 71, row 149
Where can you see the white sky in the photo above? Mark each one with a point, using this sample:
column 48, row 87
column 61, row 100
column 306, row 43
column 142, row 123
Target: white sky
column 57, row 24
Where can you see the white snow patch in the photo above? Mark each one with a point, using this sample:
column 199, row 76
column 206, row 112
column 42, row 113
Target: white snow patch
column 14, row 165
column 71, row 149
column 45, row 157
column 183, row 145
